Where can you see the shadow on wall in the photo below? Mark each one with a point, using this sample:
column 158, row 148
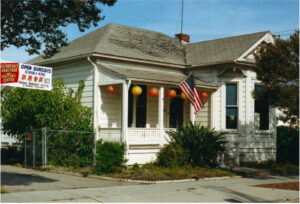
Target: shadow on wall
column 249, row 145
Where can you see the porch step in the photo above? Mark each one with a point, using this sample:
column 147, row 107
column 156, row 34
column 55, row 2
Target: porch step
column 147, row 146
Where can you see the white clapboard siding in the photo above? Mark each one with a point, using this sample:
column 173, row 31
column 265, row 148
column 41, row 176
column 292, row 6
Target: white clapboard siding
column 152, row 109
column 110, row 107
column 72, row 74
column 203, row 116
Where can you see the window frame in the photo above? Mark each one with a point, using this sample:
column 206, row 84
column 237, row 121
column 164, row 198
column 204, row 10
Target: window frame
column 232, row 106
column 269, row 112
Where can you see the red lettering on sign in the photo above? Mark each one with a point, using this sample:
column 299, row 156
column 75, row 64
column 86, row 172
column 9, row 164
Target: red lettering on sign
column 9, row 73
column 23, row 77
column 41, row 79
column 35, row 78
column 29, row 78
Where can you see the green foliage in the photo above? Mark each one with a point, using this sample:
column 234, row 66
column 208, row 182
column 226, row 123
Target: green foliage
column 59, row 109
column 109, row 157
column 202, row 146
column 277, row 66
column 287, row 144
column 32, row 23
column 135, row 166
column 172, row 156
column 11, row 155
column 70, row 148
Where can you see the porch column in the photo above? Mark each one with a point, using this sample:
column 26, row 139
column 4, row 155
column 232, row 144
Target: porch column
column 124, row 112
column 161, row 113
column 192, row 115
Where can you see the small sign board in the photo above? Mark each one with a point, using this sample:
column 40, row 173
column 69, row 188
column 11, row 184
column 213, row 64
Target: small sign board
column 26, row 76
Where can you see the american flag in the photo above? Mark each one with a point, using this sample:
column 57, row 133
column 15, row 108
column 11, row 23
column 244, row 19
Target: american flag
column 188, row 87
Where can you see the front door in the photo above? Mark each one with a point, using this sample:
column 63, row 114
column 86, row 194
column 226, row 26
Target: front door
column 176, row 111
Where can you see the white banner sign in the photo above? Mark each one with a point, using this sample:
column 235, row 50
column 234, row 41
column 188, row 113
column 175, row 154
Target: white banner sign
column 29, row 76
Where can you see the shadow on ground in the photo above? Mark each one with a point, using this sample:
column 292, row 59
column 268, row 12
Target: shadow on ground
column 13, row 179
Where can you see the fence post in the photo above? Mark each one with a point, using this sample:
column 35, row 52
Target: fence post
column 94, row 149
column 44, row 146
column 25, row 151
column 33, row 148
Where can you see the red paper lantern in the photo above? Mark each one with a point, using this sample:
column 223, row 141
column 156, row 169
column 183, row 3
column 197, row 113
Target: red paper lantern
column 111, row 89
column 153, row 92
column 29, row 137
column 203, row 95
column 171, row 93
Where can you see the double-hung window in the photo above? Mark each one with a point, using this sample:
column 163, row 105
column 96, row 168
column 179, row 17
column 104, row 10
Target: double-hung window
column 231, row 106
column 261, row 111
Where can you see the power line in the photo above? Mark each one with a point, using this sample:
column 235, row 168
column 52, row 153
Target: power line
column 284, row 31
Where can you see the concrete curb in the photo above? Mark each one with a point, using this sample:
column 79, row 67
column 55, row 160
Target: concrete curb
column 146, row 182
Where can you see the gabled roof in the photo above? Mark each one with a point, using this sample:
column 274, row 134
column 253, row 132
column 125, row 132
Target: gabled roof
column 220, row 50
column 122, row 41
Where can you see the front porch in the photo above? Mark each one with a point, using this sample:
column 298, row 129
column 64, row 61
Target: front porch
column 141, row 121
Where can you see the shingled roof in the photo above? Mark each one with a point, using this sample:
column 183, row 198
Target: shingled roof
column 219, row 50
column 134, row 43
column 122, row 41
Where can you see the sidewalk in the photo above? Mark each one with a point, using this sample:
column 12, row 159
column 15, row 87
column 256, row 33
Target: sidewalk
column 228, row 190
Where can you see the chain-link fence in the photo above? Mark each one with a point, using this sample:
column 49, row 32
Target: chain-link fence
column 58, row 147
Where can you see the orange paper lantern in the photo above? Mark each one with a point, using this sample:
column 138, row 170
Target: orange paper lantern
column 111, row 89
column 153, row 92
column 171, row 93
column 136, row 90
column 183, row 96
column 203, row 95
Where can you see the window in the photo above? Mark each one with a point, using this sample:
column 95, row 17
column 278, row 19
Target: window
column 231, row 106
column 139, row 103
column 261, row 111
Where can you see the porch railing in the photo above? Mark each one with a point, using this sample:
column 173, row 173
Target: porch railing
column 147, row 136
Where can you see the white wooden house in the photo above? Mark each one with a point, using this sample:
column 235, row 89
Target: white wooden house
column 123, row 56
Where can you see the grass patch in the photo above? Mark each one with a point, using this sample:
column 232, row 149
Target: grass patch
column 3, row 190
column 278, row 169
column 85, row 171
column 150, row 172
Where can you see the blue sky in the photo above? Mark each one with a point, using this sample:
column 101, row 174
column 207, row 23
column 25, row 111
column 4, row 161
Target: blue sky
column 203, row 19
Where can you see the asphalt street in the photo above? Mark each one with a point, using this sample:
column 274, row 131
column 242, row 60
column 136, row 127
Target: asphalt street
column 36, row 186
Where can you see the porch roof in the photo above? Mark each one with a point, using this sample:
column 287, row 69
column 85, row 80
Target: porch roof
column 153, row 76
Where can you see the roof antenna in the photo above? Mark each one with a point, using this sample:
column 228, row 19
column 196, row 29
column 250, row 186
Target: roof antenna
column 181, row 16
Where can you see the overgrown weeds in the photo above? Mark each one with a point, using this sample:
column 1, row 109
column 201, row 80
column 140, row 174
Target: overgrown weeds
column 151, row 172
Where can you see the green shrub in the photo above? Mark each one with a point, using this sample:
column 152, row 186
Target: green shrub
column 135, row 166
column 172, row 156
column 70, row 149
column 109, row 157
column 12, row 155
column 202, row 145
column 288, row 144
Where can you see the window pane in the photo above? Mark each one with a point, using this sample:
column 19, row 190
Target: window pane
column 261, row 112
column 231, row 94
column 231, row 118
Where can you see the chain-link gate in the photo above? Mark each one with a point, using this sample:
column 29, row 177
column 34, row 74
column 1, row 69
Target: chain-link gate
column 59, row 147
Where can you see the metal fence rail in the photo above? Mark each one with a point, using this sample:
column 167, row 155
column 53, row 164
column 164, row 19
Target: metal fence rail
column 40, row 145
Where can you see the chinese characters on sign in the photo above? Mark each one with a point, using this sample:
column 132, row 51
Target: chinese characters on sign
column 26, row 76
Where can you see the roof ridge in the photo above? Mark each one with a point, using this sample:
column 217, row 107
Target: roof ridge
column 142, row 29
column 243, row 35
